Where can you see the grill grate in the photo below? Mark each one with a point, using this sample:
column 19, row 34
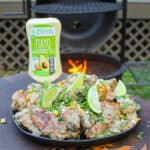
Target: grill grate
column 76, row 7
column 14, row 50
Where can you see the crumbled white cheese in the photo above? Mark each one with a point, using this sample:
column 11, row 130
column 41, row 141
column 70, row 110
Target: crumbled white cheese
column 2, row 120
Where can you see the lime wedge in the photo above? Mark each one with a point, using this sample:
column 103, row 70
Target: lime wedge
column 120, row 89
column 49, row 96
column 77, row 84
column 93, row 100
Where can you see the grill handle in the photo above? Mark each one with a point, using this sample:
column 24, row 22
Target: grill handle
column 26, row 5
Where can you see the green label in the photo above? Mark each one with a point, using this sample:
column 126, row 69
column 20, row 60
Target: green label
column 43, row 42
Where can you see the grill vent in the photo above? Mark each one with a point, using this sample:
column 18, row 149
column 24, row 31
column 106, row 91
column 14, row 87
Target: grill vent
column 14, row 50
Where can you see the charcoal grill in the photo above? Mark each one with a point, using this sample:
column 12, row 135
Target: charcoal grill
column 86, row 24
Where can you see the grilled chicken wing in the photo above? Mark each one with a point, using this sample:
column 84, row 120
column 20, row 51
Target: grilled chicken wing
column 132, row 119
column 21, row 98
column 86, row 122
column 106, row 89
column 71, row 117
column 96, row 130
column 110, row 111
column 23, row 118
column 18, row 100
column 128, row 106
column 45, row 121
column 112, row 84
column 90, row 79
column 118, row 125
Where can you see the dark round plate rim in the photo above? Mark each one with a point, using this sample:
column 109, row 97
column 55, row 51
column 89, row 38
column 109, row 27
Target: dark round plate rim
column 73, row 141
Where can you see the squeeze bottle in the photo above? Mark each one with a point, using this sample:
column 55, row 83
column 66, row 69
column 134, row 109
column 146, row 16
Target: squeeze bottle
column 44, row 48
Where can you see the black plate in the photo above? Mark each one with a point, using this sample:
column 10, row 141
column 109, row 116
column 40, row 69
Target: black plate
column 72, row 142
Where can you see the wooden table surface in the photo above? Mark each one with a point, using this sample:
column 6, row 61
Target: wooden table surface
column 12, row 139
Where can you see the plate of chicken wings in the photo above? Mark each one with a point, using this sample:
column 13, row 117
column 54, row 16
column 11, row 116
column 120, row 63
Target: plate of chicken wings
column 79, row 110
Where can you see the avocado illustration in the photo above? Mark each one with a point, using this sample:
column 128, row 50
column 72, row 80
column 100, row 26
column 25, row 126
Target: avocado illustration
column 44, row 65
column 37, row 66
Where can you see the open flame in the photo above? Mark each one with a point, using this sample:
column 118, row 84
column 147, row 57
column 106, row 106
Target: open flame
column 77, row 66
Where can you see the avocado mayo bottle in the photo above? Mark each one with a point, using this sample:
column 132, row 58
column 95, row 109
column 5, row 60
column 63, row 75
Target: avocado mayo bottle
column 44, row 54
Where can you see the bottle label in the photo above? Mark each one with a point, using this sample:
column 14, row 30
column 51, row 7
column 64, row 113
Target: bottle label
column 43, row 49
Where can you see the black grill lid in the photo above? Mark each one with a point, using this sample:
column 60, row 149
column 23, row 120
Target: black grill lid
column 76, row 7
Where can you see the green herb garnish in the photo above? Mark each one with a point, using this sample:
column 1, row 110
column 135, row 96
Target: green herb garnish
column 140, row 135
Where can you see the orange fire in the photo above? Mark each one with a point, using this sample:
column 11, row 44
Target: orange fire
column 77, row 66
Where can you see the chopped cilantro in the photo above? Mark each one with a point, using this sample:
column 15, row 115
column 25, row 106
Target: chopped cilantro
column 126, row 104
column 140, row 135
column 122, row 125
column 100, row 118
